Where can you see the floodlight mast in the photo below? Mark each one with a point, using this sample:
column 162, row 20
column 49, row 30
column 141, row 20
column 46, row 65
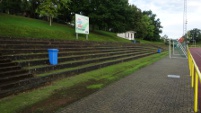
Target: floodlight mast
column 185, row 19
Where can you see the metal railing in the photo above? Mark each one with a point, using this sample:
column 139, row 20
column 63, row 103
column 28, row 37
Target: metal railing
column 182, row 48
column 195, row 76
column 177, row 49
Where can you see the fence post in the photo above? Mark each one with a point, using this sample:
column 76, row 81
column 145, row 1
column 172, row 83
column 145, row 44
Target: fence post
column 196, row 94
column 169, row 48
column 192, row 74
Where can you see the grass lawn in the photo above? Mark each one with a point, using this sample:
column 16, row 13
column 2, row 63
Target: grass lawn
column 63, row 92
column 17, row 26
column 23, row 27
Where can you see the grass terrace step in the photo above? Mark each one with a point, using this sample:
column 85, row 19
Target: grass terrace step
column 17, row 51
column 7, row 40
column 19, row 86
column 52, row 41
column 40, row 41
column 65, row 45
column 44, row 54
column 12, row 73
column 88, row 67
column 32, row 62
column 17, row 81
column 40, row 50
column 22, row 85
column 35, row 46
column 5, row 79
column 9, row 68
column 8, row 64
column 27, row 56
column 45, row 68
column 4, row 60
column 164, row 47
column 31, row 41
column 48, row 44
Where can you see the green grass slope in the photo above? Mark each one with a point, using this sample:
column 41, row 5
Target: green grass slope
column 17, row 26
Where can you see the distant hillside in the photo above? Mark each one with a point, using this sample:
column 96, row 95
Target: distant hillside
column 17, row 26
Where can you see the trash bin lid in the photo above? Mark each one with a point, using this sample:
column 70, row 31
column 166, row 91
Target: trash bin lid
column 53, row 50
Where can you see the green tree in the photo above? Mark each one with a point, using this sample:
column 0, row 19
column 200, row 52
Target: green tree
column 136, row 21
column 157, row 30
column 148, row 23
column 10, row 6
column 34, row 5
column 154, row 27
column 103, row 14
column 165, row 39
column 25, row 7
column 50, row 8
column 195, row 34
column 116, row 15
column 133, row 20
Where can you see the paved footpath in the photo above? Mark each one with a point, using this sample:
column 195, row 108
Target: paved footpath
column 148, row 90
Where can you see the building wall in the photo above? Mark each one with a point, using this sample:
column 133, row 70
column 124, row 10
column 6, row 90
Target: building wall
column 130, row 35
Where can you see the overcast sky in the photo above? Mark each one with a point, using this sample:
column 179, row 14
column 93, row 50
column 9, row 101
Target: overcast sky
column 170, row 13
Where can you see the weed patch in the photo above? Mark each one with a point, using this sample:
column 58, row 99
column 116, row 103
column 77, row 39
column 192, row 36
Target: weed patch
column 62, row 97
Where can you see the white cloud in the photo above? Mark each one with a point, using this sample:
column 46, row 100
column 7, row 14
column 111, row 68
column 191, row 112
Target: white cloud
column 170, row 13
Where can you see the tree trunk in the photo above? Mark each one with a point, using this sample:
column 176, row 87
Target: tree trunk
column 7, row 11
column 50, row 21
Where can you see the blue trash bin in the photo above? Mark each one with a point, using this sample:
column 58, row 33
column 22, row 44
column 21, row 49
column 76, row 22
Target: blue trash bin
column 53, row 56
column 133, row 41
column 159, row 51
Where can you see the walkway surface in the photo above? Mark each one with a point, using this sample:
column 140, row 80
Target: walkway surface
column 148, row 90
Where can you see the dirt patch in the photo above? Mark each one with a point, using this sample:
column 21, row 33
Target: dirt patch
column 61, row 98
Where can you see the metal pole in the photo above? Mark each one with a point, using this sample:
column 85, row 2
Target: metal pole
column 86, row 36
column 169, row 48
column 193, row 74
column 173, row 48
column 76, row 35
column 196, row 93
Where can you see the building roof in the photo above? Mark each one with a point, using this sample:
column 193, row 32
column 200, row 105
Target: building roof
column 130, row 31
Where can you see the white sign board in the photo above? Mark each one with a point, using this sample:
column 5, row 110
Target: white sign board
column 81, row 24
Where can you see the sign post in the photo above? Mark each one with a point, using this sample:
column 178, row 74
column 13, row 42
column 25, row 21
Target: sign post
column 81, row 25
